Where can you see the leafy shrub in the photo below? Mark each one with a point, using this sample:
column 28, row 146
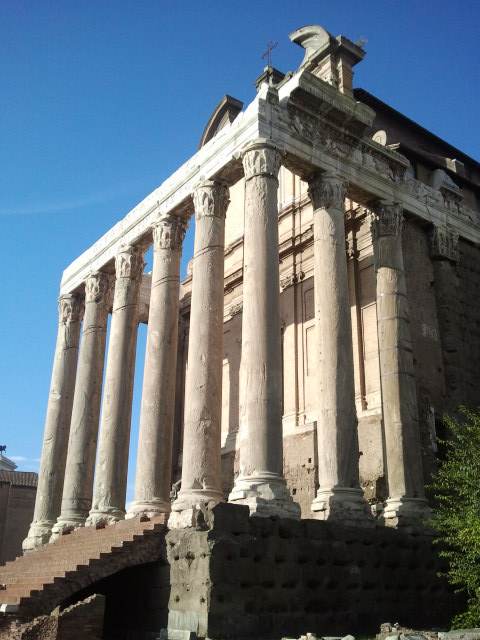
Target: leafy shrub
column 456, row 487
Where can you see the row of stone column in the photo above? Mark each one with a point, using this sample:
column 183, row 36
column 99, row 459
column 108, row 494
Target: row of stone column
column 65, row 484
column 74, row 407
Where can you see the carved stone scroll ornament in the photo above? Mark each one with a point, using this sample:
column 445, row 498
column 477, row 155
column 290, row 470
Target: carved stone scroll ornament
column 291, row 279
column 423, row 192
column 369, row 155
column 386, row 220
column 451, row 201
column 211, row 198
column 129, row 262
column 99, row 288
column 444, row 244
column 261, row 158
column 235, row 309
column 318, row 133
column 352, row 252
column 70, row 308
column 326, row 192
column 169, row 233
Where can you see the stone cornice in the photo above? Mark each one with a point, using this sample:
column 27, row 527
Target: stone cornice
column 310, row 90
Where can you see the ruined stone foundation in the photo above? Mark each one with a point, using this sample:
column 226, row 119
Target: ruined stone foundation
column 234, row 576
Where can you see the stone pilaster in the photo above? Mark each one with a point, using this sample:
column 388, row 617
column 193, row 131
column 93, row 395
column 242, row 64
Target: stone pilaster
column 339, row 495
column 444, row 256
column 154, row 459
column 406, row 504
column 114, row 438
column 201, row 468
column 82, row 444
column 261, row 484
column 57, row 422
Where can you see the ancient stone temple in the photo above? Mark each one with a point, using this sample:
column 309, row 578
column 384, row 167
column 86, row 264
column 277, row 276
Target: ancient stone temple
column 294, row 382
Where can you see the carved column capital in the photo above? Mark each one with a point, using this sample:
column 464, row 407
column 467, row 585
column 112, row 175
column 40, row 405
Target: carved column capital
column 444, row 244
column 211, row 198
column 99, row 288
column 70, row 308
column 386, row 219
column 169, row 233
column 326, row 191
column 129, row 262
column 261, row 158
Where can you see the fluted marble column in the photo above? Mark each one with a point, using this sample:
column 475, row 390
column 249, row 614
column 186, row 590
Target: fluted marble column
column 201, row 467
column 444, row 256
column 261, row 484
column 406, row 504
column 57, row 422
column 154, row 459
column 339, row 495
column 114, row 438
column 82, row 444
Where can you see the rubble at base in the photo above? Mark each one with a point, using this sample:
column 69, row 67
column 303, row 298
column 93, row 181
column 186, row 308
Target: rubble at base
column 390, row 631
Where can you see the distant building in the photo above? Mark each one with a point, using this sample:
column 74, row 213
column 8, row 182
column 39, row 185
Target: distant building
column 17, row 500
column 6, row 464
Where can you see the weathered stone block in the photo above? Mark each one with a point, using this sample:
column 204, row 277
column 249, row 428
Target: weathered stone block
column 228, row 517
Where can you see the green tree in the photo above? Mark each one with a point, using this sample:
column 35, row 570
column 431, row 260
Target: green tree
column 456, row 487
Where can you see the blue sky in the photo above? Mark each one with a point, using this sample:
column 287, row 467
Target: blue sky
column 102, row 100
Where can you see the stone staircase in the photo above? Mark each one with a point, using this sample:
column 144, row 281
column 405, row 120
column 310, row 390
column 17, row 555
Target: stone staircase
column 36, row 583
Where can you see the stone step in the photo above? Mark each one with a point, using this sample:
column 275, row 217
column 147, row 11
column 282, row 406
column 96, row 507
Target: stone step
column 69, row 557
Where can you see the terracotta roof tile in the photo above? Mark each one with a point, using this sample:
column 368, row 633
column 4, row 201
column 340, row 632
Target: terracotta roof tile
column 19, row 478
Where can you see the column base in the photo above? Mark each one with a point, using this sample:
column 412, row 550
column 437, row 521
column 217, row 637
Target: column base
column 187, row 508
column 38, row 535
column 99, row 519
column 66, row 525
column 195, row 497
column 343, row 504
column 266, row 495
column 407, row 513
column 148, row 509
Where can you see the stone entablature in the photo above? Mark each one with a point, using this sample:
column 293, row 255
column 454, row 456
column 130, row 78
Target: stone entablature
column 309, row 143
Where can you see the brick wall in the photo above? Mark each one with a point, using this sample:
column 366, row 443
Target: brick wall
column 16, row 513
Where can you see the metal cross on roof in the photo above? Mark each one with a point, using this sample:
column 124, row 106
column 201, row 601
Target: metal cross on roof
column 268, row 53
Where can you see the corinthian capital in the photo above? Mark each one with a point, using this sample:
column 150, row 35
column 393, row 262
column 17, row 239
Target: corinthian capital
column 99, row 288
column 168, row 233
column 444, row 244
column 326, row 192
column 129, row 262
column 386, row 220
column 211, row 198
column 70, row 308
column 261, row 158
